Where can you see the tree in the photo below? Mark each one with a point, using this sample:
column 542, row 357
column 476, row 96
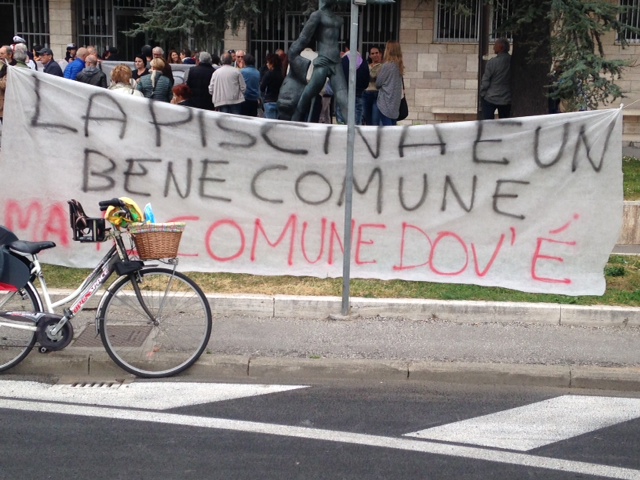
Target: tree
column 567, row 31
column 173, row 21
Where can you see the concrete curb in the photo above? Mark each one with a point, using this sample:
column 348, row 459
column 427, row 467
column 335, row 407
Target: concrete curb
column 99, row 365
column 425, row 309
column 458, row 311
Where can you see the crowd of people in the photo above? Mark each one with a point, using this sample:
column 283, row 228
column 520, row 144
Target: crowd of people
column 229, row 83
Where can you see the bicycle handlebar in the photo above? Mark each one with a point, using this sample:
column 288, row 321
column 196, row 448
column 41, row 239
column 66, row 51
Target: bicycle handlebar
column 114, row 202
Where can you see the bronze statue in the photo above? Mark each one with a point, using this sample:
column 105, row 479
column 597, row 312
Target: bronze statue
column 296, row 95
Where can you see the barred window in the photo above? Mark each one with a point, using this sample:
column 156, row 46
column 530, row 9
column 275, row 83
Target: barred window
column 630, row 15
column 461, row 23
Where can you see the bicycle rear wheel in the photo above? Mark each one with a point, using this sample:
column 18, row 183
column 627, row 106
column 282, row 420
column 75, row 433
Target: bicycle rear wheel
column 165, row 343
column 16, row 343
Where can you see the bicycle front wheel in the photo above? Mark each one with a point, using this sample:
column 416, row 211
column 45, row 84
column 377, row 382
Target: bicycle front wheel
column 160, row 333
column 16, row 342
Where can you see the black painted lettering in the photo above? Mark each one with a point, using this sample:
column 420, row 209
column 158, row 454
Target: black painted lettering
column 448, row 185
column 158, row 125
column 245, row 140
column 265, row 132
column 402, row 145
column 88, row 117
column 497, row 195
column 502, row 124
column 583, row 140
column 35, row 119
column 97, row 165
column 423, row 197
column 256, row 177
column 171, row 179
column 137, row 168
column 204, row 179
column 378, row 131
column 375, row 173
column 565, row 139
column 314, row 189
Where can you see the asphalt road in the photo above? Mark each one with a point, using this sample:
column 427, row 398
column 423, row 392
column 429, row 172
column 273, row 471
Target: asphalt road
column 314, row 430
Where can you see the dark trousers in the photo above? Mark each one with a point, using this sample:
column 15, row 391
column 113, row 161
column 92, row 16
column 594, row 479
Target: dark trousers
column 489, row 109
column 250, row 108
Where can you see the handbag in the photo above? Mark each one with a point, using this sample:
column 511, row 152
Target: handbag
column 404, row 108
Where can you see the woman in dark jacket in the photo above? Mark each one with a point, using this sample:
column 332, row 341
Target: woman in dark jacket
column 270, row 86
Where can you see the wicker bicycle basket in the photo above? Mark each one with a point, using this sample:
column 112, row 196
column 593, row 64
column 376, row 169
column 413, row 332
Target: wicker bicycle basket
column 157, row 240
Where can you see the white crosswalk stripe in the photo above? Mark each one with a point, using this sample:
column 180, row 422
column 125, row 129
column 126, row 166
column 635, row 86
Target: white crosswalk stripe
column 147, row 395
column 533, row 426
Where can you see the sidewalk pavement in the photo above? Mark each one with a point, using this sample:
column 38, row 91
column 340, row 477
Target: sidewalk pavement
column 287, row 338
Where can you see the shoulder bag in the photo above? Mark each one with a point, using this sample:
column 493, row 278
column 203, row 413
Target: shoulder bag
column 404, row 108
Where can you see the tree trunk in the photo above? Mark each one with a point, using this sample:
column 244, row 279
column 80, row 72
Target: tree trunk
column 530, row 65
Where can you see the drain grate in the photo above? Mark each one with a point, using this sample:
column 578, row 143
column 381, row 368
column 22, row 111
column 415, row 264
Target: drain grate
column 111, row 385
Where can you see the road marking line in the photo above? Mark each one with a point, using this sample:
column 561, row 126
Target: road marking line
column 542, row 423
column 521, row 459
column 148, row 395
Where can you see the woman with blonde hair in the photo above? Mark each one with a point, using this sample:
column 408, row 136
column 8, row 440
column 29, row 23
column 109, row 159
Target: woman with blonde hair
column 156, row 85
column 121, row 81
column 390, row 84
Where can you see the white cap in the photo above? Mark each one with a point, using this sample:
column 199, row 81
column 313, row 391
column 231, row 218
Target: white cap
column 18, row 39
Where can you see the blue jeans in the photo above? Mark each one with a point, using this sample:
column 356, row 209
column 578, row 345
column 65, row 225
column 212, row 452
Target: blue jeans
column 370, row 114
column 271, row 110
column 383, row 119
column 235, row 109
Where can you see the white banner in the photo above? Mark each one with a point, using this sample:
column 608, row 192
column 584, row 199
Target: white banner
column 533, row 204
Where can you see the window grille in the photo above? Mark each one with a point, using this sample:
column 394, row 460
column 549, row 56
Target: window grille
column 273, row 30
column 461, row 23
column 31, row 22
column 630, row 15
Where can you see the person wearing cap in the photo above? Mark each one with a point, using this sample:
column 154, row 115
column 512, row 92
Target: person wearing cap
column 50, row 65
column 17, row 40
column 72, row 48
column 75, row 67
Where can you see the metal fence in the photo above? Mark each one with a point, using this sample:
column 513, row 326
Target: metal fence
column 630, row 16
column 461, row 23
column 274, row 29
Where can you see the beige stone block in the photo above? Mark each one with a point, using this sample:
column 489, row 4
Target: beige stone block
column 437, row 48
column 411, row 23
column 460, row 98
column 471, row 84
column 427, row 62
column 424, row 36
column 432, row 83
column 472, row 63
column 429, row 97
column 455, row 48
column 408, row 37
column 453, row 63
column 457, row 84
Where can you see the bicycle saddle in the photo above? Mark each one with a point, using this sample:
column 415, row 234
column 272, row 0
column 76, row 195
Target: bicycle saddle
column 23, row 246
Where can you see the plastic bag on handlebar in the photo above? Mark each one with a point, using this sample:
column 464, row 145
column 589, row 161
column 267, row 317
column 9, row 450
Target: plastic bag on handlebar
column 122, row 219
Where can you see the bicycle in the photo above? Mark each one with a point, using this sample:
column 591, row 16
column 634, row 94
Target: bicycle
column 153, row 321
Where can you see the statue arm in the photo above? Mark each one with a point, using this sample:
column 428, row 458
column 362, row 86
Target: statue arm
column 308, row 31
